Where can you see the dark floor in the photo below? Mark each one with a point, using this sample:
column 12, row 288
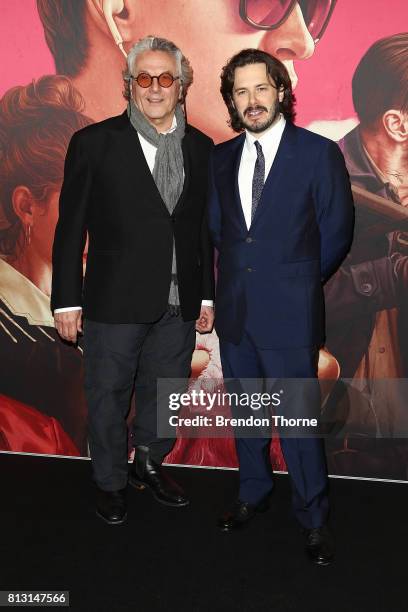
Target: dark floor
column 169, row 559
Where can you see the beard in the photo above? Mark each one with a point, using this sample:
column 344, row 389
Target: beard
column 258, row 127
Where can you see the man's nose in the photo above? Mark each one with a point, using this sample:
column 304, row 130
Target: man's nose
column 252, row 99
column 291, row 41
column 155, row 85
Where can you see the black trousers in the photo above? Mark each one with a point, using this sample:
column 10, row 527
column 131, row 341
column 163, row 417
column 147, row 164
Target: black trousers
column 120, row 358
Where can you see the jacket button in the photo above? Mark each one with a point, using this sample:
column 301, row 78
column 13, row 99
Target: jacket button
column 173, row 219
column 249, row 239
column 366, row 287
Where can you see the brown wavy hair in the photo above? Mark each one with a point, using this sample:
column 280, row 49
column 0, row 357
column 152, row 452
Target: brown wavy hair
column 65, row 33
column 36, row 124
column 380, row 81
column 275, row 69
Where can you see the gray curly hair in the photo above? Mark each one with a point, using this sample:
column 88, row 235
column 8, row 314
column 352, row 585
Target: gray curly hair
column 153, row 43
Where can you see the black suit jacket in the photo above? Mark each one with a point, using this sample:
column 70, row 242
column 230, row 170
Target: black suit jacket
column 109, row 192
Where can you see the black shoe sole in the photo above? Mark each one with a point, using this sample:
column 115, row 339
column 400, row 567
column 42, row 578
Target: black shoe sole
column 140, row 486
column 111, row 522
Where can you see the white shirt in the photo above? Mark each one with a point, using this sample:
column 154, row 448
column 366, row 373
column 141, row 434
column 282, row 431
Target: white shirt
column 149, row 152
column 269, row 141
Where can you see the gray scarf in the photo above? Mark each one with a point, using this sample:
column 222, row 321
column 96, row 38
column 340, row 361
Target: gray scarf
column 168, row 173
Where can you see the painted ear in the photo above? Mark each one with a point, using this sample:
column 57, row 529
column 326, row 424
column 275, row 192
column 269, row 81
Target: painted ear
column 396, row 125
column 116, row 17
column 22, row 201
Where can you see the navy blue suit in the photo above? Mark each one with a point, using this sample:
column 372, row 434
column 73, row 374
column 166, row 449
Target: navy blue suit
column 269, row 300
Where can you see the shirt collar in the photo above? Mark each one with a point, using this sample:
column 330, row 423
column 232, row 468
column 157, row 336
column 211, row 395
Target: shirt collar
column 173, row 126
column 171, row 129
column 23, row 298
column 362, row 169
column 269, row 139
column 376, row 169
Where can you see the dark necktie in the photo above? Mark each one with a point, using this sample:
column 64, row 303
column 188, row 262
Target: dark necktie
column 258, row 178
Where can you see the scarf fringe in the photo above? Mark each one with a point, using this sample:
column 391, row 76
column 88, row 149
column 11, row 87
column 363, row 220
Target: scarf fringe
column 173, row 310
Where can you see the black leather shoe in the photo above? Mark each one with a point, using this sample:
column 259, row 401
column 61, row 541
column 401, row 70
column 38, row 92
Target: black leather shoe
column 146, row 474
column 111, row 506
column 240, row 515
column 320, row 545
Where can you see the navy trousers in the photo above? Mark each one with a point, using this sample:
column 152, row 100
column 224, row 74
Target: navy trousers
column 304, row 456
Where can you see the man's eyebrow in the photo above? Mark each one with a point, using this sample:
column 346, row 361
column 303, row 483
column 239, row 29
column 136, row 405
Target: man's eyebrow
column 257, row 85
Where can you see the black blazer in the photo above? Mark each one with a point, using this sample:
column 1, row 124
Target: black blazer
column 109, row 192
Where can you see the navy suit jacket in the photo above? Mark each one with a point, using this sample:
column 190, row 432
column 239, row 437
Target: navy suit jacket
column 270, row 278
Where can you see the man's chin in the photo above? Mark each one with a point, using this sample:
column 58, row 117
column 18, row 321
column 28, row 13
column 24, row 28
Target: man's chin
column 257, row 127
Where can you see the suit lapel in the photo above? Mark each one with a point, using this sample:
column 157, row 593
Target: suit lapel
column 282, row 163
column 185, row 145
column 133, row 156
column 237, row 197
column 227, row 172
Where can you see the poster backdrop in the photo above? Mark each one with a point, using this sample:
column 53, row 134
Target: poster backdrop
column 61, row 70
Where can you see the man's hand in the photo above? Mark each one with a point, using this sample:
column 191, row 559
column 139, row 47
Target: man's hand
column 68, row 324
column 206, row 320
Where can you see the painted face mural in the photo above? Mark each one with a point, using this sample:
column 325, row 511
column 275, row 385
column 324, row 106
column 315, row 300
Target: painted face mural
column 341, row 92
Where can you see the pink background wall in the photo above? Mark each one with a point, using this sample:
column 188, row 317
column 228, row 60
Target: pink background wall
column 324, row 82
column 323, row 94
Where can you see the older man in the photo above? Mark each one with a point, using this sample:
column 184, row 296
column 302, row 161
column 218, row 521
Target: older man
column 137, row 184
